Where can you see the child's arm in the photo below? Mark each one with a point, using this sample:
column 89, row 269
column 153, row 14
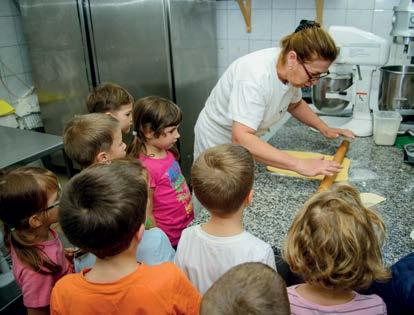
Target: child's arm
column 150, row 214
column 38, row 311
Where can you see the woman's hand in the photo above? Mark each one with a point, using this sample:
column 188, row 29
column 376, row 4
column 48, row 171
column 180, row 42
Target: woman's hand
column 319, row 166
column 336, row 132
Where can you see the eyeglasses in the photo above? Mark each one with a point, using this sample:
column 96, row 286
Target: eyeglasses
column 56, row 203
column 313, row 78
column 53, row 205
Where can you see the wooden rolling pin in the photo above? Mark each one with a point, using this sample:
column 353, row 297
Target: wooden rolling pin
column 339, row 156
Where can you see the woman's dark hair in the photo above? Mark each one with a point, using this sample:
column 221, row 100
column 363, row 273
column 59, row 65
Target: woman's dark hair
column 152, row 113
column 23, row 193
column 103, row 207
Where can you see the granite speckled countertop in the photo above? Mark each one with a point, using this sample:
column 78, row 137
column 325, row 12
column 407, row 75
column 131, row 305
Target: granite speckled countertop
column 375, row 169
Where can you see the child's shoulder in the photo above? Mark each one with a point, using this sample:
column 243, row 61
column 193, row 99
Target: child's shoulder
column 368, row 298
column 190, row 233
column 191, row 230
column 163, row 274
column 68, row 282
column 244, row 241
column 252, row 240
column 372, row 304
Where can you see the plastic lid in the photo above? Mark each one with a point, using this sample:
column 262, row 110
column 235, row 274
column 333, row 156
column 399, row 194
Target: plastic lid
column 386, row 114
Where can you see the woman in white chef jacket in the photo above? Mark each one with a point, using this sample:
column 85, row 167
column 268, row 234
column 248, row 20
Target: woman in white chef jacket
column 259, row 88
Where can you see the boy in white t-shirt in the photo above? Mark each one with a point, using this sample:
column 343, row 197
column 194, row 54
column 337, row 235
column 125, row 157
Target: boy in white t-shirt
column 222, row 179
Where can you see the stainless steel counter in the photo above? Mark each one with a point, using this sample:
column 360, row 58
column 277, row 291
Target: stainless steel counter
column 24, row 146
column 376, row 169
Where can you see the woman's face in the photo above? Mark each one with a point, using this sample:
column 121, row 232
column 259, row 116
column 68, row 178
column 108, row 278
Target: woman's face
column 305, row 74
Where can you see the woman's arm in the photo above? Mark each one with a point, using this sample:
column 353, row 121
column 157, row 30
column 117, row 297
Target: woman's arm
column 302, row 112
column 269, row 155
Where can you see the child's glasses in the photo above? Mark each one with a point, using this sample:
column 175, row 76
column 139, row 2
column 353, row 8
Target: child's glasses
column 57, row 202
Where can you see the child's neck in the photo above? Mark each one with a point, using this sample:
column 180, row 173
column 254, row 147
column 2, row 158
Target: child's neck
column 113, row 268
column 324, row 296
column 154, row 152
column 223, row 226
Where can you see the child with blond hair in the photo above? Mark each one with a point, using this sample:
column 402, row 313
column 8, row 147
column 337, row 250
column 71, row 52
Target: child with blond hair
column 250, row 288
column 103, row 211
column 222, row 179
column 334, row 243
column 93, row 138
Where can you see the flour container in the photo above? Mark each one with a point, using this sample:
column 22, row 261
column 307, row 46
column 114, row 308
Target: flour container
column 386, row 124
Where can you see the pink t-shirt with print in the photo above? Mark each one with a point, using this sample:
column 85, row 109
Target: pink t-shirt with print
column 173, row 209
column 36, row 287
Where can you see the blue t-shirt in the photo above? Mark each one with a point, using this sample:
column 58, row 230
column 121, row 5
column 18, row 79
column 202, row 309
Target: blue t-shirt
column 154, row 249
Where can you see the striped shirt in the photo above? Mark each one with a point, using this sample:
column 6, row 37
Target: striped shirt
column 360, row 305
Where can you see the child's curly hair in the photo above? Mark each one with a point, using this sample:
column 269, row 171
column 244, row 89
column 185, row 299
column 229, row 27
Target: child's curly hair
column 335, row 241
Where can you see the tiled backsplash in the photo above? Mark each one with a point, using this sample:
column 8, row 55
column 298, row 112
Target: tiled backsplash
column 272, row 19
column 14, row 61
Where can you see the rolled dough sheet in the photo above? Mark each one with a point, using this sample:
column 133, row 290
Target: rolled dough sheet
column 370, row 199
column 341, row 177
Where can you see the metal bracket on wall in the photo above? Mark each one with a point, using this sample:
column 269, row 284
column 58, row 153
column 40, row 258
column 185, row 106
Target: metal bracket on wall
column 319, row 11
column 246, row 9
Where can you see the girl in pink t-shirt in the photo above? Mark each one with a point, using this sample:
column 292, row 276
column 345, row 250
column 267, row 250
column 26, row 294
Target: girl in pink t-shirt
column 156, row 121
column 29, row 200
column 334, row 243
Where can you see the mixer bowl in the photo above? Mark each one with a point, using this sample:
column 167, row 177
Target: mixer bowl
column 396, row 90
column 333, row 83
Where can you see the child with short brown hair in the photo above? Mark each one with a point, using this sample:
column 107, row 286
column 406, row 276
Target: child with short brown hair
column 103, row 211
column 334, row 243
column 249, row 288
column 222, row 179
column 93, row 138
column 114, row 100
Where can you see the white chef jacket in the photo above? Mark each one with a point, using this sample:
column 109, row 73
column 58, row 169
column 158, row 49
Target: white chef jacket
column 248, row 92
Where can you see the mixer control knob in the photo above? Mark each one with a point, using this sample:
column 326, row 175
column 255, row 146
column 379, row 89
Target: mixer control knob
column 411, row 22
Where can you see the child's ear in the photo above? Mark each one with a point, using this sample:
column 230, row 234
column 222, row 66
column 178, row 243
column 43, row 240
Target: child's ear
column 140, row 232
column 249, row 198
column 35, row 221
column 103, row 158
column 148, row 132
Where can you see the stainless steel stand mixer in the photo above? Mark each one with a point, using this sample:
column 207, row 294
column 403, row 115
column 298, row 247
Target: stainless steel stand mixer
column 349, row 84
column 396, row 91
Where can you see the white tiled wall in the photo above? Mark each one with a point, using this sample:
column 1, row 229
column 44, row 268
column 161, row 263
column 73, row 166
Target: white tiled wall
column 14, row 61
column 272, row 19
